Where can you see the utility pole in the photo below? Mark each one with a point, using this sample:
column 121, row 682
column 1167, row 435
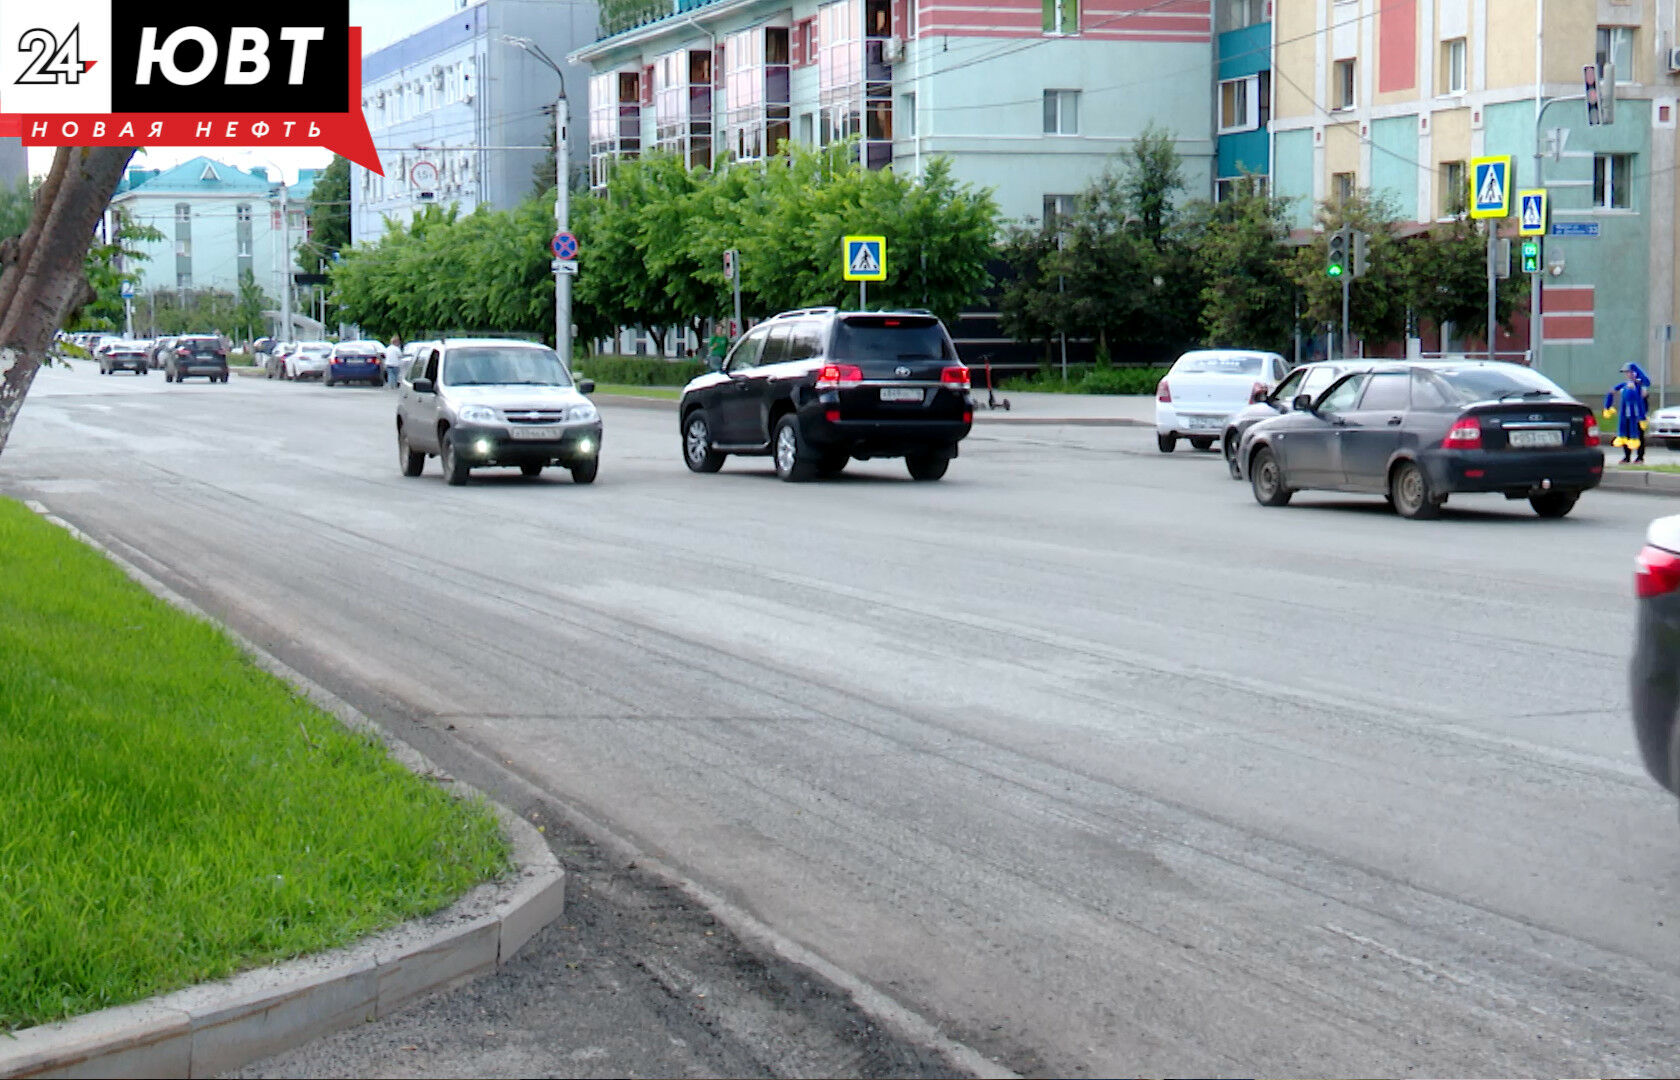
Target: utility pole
column 285, row 264
column 562, row 196
column 1492, row 282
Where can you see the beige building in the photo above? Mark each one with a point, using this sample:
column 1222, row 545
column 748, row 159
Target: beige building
column 1398, row 97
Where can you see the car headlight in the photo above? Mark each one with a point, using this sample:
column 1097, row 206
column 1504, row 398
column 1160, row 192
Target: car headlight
column 478, row 414
column 585, row 411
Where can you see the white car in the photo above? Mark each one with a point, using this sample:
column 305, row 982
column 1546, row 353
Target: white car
column 1665, row 425
column 1203, row 388
column 309, row 360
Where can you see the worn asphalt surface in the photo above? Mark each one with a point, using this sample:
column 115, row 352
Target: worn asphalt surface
column 1079, row 756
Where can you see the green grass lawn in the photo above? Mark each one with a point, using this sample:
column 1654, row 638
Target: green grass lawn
column 172, row 813
column 1616, row 462
column 668, row 393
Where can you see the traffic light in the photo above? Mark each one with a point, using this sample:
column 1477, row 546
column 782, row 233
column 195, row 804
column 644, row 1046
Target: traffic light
column 1599, row 82
column 1361, row 264
column 1531, row 256
column 1337, row 263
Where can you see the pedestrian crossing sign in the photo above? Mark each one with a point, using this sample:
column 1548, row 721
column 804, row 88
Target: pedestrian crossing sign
column 865, row 258
column 1531, row 213
column 1490, row 187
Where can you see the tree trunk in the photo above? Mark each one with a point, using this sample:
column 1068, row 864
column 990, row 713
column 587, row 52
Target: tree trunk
column 41, row 273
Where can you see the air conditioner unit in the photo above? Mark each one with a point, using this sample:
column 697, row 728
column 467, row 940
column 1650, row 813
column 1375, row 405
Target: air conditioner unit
column 893, row 51
column 1673, row 61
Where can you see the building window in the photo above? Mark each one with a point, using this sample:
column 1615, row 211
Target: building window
column 1239, row 104
column 1612, row 181
column 1058, row 209
column 183, row 279
column 1345, row 85
column 907, row 105
column 1455, row 189
column 183, row 211
column 1453, row 54
column 1061, row 16
column 1061, row 112
column 1237, row 187
column 615, row 122
column 1615, row 46
column 1341, row 187
column 1236, row 14
column 807, row 129
column 840, row 70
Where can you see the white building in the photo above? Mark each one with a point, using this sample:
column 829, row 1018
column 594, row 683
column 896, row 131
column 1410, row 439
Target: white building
column 460, row 99
column 217, row 222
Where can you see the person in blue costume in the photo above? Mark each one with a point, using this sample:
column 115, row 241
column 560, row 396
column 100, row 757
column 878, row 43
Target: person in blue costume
column 1625, row 403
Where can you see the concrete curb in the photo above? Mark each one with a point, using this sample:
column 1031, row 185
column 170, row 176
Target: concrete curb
column 216, row 1027
column 1646, row 483
column 634, row 402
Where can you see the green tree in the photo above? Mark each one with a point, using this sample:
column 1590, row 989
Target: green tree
column 1153, row 180
column 1249, row 297
column 106, row 310
column 329, row 216
column 1378, row 300
column 1446, row 279
column 249, row 305
column 17, row 203
column 1031, row 302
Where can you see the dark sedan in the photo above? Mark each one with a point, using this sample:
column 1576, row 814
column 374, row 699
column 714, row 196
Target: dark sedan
column 1419, row 432
column 1309, row 379
column 1654, row 674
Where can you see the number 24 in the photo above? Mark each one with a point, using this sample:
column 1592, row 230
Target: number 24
column 51, row 63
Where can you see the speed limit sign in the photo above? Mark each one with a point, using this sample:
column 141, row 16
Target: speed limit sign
column 424, row 176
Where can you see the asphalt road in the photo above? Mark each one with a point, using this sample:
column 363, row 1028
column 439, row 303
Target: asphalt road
column 1080, row 755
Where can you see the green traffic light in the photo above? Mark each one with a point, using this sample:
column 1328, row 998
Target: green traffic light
column 1334, row 271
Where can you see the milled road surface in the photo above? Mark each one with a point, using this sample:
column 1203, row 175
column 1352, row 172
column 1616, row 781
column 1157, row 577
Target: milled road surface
column 1080, row 755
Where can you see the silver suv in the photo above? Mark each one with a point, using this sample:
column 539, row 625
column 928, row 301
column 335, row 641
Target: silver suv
column 476, row 402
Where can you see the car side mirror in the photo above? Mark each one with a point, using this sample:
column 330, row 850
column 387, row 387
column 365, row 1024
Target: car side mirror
column 1303, row 403
column 586, row 386
column 1258, row 394
column 424, row 386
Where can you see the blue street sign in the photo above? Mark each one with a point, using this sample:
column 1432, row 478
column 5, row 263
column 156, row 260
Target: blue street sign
column 128, row 290
column 564, row 245
column 1574, row 228
column 1490, row 187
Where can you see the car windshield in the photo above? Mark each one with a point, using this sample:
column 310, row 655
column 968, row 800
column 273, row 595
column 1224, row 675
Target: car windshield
column 1216, row 364
column 890, row 337
column 1498, row 381
column 492, row 365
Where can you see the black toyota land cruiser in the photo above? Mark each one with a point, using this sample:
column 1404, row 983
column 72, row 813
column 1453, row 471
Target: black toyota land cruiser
column 815, row 388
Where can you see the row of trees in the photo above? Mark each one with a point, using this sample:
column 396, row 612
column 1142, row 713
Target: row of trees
column 1133, row 264
column 652, row 252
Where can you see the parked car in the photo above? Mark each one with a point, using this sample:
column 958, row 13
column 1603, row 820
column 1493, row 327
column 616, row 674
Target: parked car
column 308, row 360
column 1654, row 671
column 1309, row 379
column 261, row 348
column 1664, row 424
column 356, row 361
column 123, row 356
column 274, row 359
column 1205, row 387
column 478, row 402
column 196, row 354
column 1419, row 432
column 815, row 388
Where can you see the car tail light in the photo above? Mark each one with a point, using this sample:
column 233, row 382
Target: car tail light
column 1163, row 392
column 832, row 416
column 1592, row 430
column 1466, row 434
column 1655, row 572
column 968, row 416
column 838, row 376
column 955, row 377
column 183, row 352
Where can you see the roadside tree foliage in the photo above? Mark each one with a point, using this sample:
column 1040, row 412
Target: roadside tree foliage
column 1248, row 297
column 105, row 311
column 652, row 250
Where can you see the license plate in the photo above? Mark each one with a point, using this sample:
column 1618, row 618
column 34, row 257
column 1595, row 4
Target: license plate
column 1534, row 438
column 1204, row 422
column 534, row 432
column 893, row 393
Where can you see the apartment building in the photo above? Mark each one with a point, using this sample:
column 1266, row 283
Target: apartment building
column 462, row 117
column 1399, row 96
column 1031, row 98
column 1243, row 97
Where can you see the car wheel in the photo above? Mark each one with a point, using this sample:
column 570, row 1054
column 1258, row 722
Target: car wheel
column 585, row 472
column 832, row 464
column 530, row 470
column 1266, row 478
column 412, row 462
column 1409, row 489
column 698, row 454
column 1202, row 442
column 455, row 470
column 793, row 459
column 1554, row 504
column 1672, row 444
column 927, row 466
column 1230, row 450
column 1165, row 442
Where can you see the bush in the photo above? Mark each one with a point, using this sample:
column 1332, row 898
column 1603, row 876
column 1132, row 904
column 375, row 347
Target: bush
column 638, row 370
column 1095, row 380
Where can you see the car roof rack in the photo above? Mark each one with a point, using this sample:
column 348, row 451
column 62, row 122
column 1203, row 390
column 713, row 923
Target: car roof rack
column 803, row 311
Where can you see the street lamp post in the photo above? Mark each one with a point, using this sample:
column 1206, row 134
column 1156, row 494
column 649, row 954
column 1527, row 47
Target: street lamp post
column 562, row 205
